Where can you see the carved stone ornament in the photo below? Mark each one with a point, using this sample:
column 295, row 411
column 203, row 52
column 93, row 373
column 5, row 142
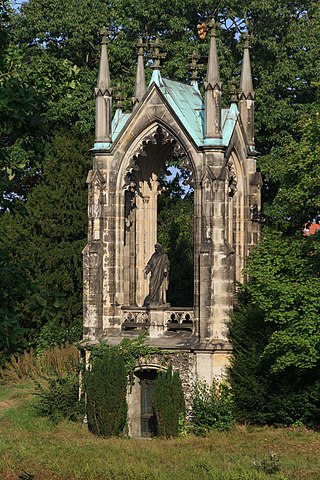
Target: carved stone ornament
column 256, row 214
column 95, row 177
column 208, row 175
column 135, row 320
column 180, row 320
column 232, row 179
column 156, row 136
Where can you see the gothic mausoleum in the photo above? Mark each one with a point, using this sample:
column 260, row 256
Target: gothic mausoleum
column 125, row 275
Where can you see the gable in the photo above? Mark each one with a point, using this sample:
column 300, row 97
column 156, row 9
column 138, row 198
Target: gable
column 178, row 107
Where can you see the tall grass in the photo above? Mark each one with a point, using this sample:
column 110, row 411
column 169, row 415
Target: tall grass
column 33, row 445
column 40, row 450
column 54, row 360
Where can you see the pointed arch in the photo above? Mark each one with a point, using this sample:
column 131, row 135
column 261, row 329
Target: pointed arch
column 137, row 187
column 147, row 135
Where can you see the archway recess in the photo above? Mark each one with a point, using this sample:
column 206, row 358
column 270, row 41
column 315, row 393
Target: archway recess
column 143, row 184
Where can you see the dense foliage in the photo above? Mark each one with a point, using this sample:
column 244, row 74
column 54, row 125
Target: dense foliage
column 46, row 237
column 212, row 408
column 275, row 329
column 275, row 368
column 168, row 402
column 14, row 289
column 106, row 389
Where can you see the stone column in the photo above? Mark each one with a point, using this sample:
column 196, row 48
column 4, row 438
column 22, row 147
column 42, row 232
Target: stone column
column 221, row 285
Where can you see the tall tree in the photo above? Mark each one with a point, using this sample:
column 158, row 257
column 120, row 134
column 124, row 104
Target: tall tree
column 293, row 169
column 274, row 331
column 15, row 288
column 21, row 121
column 48, row 237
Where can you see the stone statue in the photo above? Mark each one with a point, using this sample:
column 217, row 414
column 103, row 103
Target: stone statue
column 159, row 266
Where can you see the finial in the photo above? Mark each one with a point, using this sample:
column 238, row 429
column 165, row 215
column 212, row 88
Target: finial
column 246, row 38
column 119, row 97
column 194, row 67
column 233, row 90
column 141, row 45
column 104, row 32
column 212, row 27
column 156, row 55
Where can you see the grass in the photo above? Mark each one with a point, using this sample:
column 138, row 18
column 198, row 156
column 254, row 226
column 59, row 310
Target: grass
column 32, row 448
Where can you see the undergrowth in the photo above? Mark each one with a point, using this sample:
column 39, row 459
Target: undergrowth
column 58, row 398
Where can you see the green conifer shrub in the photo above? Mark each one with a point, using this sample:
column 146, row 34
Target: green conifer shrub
column 106, row 389
column 169, row 403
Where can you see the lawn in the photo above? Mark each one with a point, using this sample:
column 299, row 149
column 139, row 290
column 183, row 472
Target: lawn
column 32, row 448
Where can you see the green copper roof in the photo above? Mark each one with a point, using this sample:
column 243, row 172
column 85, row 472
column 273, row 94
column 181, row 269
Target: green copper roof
column 188, row 105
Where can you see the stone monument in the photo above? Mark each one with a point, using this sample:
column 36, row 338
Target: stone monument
column 124, row 281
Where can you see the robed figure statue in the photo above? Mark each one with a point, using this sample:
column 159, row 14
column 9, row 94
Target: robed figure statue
column 159, row 266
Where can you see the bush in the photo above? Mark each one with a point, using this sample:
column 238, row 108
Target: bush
column 59, row 398
column 269, row 465
column 106, row 389
column 169, row 404
column 262, row 396
column 212, row 408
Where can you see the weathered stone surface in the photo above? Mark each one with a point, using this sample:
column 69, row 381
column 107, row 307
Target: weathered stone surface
column 123, row 187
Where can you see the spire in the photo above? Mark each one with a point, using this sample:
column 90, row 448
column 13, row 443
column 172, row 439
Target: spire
column 212, row 88
column 140, row 86
column 246, row 96
column 103, row 93
column 246, row 87
column 156, row 56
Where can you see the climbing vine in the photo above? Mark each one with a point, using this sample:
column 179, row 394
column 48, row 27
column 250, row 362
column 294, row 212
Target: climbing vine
column 134, row 353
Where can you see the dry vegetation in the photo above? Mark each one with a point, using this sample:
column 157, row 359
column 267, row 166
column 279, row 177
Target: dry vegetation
column 30, row 365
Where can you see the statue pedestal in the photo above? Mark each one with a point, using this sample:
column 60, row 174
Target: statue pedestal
column 157, row 319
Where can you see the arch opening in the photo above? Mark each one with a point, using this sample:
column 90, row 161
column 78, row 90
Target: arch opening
column 158, row 208
column 175, row 225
